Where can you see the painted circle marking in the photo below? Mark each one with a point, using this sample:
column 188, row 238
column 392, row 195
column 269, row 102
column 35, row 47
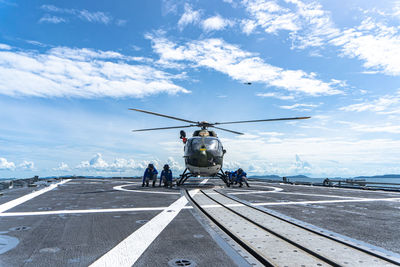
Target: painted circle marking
column 121, row 188
column 275, row 189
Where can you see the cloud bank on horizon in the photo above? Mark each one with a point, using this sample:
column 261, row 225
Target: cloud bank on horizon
column 70, row 70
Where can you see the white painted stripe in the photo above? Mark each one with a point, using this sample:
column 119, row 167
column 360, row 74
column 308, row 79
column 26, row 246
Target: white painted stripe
column 127, row 252
column 55, row 212
column 324, row 201
column 275, row 190
column 13, row 203
column 89, row 211
column 317, row 195
column 121, row 188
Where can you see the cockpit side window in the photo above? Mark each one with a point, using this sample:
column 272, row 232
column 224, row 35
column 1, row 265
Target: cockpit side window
column 188, row 146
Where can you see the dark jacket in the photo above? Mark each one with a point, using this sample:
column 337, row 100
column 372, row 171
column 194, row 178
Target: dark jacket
column 149, row 173
column 167, row 174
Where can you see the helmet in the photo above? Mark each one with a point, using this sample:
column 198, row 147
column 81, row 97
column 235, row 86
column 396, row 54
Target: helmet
column 166, row 166
column 151, row 166
column 240, row 170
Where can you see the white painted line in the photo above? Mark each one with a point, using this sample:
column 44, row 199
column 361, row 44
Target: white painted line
column 325, row 201
column 131, row 248
column 13, row 203
column 275, row 190
column 52, row 212
column 278, row 190
column 89, row 211
column 317, row 195
column 55, row 212
column 121, row 188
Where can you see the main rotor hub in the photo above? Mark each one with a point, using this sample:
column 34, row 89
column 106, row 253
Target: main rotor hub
column 204, row 125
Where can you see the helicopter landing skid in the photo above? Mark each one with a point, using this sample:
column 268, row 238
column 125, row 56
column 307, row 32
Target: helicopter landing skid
column 184, row 176
column 223, row 177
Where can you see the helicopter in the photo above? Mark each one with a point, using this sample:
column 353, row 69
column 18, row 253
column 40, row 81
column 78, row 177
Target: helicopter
column 203, row 152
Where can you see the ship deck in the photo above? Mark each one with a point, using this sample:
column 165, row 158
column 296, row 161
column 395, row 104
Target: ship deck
column 101, row 222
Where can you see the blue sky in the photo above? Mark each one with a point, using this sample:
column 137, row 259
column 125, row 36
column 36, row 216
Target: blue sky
column 69, row 71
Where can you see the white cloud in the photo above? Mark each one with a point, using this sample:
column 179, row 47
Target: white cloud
column 248, row 26
column 136, row 48
column 274, row 134
column 121, row 22
column 216, row 23
column 174, row 165
column 51, row 19
column 52, row 8
column 240, row 65
column 11, row 166
column 275, row 95
column 307, row 23
column 98, row 17
column 375, row 128
column 5, row 47
column 300, row 166
column 189, row 17
column 6, row 165
column 95, row 17
column 27, row 165
column 169, row 6
column 98, row 164
column 83, row 73
column 374, row 43
column 325, row 156
column 387, row 104
column 304, row 107
column 62, row 167
column 37, row 43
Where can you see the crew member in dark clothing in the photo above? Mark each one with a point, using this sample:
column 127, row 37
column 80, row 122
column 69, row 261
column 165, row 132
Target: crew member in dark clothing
column 241, row 176
column 230, row 176
column 150, row 174
column 166, row 176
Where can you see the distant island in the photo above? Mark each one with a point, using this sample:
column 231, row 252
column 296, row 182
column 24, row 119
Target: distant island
column 381, row 176
column 304, row 176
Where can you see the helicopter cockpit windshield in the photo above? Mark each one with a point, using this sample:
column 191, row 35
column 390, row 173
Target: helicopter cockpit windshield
column 209, row 143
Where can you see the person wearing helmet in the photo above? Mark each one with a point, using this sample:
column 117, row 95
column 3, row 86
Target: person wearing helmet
column 150, row 174
column 166, row 176
column 241, row 176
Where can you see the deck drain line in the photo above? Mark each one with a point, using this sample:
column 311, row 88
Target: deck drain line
column 181, row 262
column 19, row 228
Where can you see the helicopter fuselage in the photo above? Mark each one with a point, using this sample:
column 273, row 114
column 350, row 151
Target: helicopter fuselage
column 203, row 155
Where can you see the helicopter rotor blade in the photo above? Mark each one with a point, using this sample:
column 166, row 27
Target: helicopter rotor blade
column 162, row 115
column 163, row 128
column 279, row 119
column 227, row 130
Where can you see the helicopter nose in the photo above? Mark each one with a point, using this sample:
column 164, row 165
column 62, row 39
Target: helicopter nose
column 203, row 157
